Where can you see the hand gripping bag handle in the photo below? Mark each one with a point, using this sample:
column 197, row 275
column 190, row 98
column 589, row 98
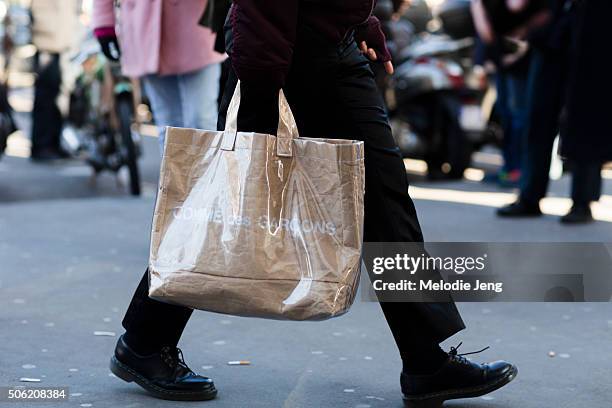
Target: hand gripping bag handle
column 287, row 129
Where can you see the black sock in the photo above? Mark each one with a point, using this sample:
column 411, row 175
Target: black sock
column 423, row 360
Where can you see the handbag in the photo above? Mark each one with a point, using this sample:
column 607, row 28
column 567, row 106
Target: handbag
column 258, row 225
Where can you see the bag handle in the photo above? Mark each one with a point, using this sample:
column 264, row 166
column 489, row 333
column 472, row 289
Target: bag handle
column 287, row 129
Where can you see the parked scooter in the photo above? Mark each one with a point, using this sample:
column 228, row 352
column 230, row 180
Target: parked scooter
column 435, row 99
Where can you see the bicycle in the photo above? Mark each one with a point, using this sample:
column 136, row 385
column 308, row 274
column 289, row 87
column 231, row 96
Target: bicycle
column 102, row 110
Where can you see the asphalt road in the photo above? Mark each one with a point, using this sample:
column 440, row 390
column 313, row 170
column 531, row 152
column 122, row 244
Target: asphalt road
column 71, row 253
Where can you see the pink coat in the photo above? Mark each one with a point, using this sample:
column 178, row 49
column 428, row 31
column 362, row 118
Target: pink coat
column 159, row 36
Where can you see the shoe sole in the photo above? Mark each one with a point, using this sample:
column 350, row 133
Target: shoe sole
column 435, row 400
column 129, row 375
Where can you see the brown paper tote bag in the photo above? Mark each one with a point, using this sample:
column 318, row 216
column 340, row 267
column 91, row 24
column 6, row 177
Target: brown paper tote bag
column 251, row 224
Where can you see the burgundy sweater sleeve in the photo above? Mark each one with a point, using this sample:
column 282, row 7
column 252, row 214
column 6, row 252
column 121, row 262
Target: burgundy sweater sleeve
column 264, row 34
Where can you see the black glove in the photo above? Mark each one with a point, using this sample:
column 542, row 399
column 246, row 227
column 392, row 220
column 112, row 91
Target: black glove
column 109, row 44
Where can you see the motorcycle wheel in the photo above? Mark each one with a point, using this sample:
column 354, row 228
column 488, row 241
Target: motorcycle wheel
column 125, row 114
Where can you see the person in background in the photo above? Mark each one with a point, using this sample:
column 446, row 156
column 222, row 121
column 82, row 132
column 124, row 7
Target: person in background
column 7, row 124
column 54, row 23
column 214, row 18
column 549, row 76
column 163, row 43
column 586, row 138
column 512, row 68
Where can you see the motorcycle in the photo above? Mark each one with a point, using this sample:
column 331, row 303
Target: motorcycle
column 435, row 100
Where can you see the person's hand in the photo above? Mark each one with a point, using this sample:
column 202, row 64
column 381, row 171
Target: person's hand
column 484, row 25
column 373, row 44
column 372, row 56
column 520, row 50
column 516, row 5
column 108, row 42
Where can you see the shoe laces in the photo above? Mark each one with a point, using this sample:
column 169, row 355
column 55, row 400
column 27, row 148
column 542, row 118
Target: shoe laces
column 173, row 357
column 454, row 353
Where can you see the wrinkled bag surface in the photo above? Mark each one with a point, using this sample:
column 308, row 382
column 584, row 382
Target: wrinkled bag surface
column 256, row 225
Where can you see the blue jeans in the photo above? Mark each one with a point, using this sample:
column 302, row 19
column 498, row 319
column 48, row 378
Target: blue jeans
column 184, row 100
column 512, row 104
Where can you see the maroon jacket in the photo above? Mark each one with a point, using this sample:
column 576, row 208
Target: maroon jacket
column 264, row 32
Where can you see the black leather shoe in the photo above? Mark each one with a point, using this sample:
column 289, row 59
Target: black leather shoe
column 164, row 375
column 520, row 208
column 579, row 214
column 458, row 378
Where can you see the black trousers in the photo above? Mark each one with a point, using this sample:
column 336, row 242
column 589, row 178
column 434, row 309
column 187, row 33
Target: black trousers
column 547, row 93
column 46, row 116
column 332, row 93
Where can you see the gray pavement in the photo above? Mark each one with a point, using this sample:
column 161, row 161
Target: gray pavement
column 71, row 254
